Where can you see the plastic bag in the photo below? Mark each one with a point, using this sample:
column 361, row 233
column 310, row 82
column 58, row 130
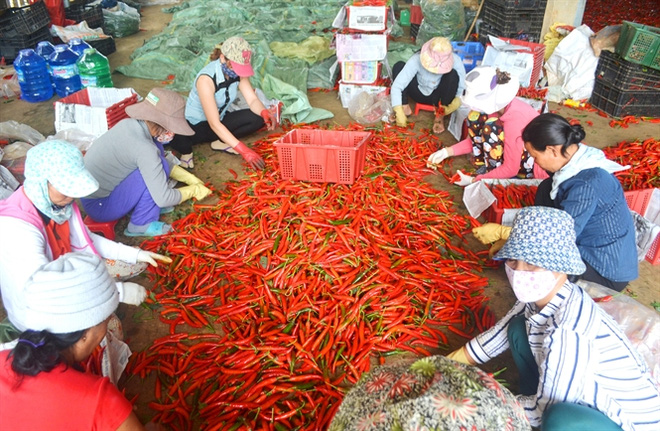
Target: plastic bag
column 441, row 18
column 368, row 108
column 121, row 22
column 77, row 31
column 15, row 131
column 10, row 87
column 639, row 323
column 76, row 137
column 571, row 69
column 607, row 38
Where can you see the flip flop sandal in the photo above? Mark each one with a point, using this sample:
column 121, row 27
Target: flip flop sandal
column 166, row 210
column 187, row 163
column 155, row 228
column 221, row 146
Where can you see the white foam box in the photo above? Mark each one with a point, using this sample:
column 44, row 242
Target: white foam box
column 93, row 110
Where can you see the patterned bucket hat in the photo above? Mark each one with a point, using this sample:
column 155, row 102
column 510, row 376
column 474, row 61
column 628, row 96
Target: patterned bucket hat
column 239, row 53
column 544, row 237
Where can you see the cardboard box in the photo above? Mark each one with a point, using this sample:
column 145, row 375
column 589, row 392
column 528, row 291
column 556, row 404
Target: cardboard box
column 365, row 18
column 93, row 110
column 361, row 47
column 348, row 91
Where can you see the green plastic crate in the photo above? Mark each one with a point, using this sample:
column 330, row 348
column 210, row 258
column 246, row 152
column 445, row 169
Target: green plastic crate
column 640, row 44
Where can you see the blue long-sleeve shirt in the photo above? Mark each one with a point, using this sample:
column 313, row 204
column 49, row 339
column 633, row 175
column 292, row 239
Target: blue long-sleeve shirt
column 603, row 224
column 426, row 80
column 583, row 357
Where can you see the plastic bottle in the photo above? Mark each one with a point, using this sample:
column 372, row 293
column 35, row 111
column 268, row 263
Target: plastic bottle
column 33, row 77
column 94, row 69
column 44, row 49
column 404, row 18
column 65, row 73
column 78, row 46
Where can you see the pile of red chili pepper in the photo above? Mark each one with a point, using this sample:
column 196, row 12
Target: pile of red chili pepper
column 513, row 195
column 601, row 13
column 298, row 287
column 644, row 159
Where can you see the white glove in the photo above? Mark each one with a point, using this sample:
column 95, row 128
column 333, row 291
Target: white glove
column 437, row 157
column 151, row 258
column 465, row 180
column 131, row 293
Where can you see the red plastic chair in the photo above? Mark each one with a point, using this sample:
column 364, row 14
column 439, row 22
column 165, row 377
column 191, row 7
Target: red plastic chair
column 423, row 107
column 107, row 229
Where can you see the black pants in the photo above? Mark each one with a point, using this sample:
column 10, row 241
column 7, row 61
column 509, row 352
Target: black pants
column 240, row 123
column 443, row 94
column 543, row 198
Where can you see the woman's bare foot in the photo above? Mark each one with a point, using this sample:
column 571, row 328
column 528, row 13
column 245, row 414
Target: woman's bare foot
column 439, row 125
column 407, row 110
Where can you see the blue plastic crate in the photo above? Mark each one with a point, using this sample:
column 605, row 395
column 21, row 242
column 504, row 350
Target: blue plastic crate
column 471, row 52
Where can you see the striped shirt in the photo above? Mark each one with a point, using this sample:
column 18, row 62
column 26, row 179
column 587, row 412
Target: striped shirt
column 584, row 358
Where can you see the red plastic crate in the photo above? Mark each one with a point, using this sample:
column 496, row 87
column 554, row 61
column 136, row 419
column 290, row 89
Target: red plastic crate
column 114, row 113
column 638, row 201
column 326, row 156
column 538, row 50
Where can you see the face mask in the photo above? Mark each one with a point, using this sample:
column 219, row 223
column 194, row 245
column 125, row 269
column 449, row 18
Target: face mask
column 165, row 137
column 227, row 71
column 530, row 286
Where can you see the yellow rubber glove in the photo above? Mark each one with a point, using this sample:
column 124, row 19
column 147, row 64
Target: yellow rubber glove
column 201, row 191
column 180, row 174
column 491, row 232
column 497, row 245
column 454, row 105
column 461, row 355
column 187, row 192
column 401, row 119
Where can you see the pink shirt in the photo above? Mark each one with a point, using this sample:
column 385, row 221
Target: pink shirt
column 517, row 115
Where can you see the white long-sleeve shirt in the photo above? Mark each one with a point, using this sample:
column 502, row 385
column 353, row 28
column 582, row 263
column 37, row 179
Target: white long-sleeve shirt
column 583, row 358
column 25, row 249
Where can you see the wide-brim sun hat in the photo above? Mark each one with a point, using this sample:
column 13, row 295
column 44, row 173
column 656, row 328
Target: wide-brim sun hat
column 437, row 55
column 484, row 94
column 61, row 164
column 544, row 237
column 238, row 52
column 165, row 108
column 72, row 293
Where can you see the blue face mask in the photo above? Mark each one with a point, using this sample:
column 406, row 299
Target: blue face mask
column 227, row 71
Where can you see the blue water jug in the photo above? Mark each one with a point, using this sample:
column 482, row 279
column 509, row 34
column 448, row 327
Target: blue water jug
column 78, row 46
column 44, row 49
column 33, row 77
column 65, row 73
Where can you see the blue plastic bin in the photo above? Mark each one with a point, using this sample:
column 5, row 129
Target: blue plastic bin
column 471, row 52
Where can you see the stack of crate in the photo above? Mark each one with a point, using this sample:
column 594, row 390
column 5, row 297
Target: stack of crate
column 625, row 88
column 84, row 11
column 362, row 48
column 23, row 28
column 628, row 80
column 516, row 19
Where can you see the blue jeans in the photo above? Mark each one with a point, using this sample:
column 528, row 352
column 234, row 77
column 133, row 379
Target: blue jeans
column 559, row 416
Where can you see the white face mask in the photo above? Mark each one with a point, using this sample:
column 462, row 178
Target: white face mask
column 530, row 286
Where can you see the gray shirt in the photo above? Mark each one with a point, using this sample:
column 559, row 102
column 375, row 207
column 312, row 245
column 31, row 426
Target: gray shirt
column 426, row 80
column 121, row 150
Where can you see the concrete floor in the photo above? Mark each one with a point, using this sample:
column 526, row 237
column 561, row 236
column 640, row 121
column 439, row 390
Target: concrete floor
column 141, row 329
